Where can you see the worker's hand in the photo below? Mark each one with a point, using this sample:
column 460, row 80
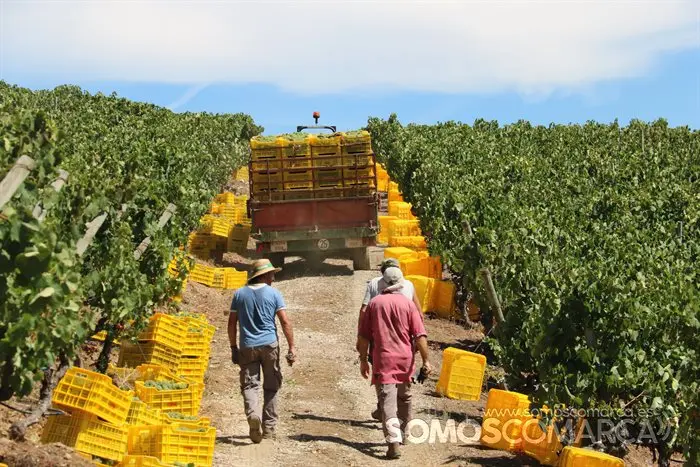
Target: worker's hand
column 428, row 368
column 235, row 355
column 364, row 369
column 291, row 356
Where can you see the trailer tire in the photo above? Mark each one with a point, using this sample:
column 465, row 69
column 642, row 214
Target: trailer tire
column 277, row 259
column 361, row 260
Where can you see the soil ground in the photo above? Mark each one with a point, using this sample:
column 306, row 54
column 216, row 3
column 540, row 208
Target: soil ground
column 325, row 404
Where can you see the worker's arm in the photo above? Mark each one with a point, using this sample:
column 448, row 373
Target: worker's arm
column 422, row 343
column 420, row 337
column 364, row 335
column 363, row 348
column 416, row 301
column 232, row 335
column 363, row 307
column 287, row 330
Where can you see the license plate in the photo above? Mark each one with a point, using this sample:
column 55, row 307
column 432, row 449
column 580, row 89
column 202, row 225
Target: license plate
column 353, row 242
column 278, row 246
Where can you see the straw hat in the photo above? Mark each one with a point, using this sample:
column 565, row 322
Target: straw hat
column 260, row 267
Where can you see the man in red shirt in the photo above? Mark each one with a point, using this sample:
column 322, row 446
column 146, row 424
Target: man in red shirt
column 392, row 322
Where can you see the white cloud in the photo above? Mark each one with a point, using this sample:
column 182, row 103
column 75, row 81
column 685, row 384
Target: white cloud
column 310, row 46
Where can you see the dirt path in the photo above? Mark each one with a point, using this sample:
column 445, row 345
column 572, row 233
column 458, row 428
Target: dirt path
column 325, row 403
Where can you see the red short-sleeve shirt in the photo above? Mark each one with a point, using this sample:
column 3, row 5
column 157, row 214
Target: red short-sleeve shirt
column 392, row 321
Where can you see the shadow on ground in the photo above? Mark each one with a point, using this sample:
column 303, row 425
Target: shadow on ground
column 498, row 461
column 375, row 450
column 369, row 424
column 310, row 268
column 234, row 440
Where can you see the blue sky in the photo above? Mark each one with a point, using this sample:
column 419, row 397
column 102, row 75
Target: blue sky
column 541, row 61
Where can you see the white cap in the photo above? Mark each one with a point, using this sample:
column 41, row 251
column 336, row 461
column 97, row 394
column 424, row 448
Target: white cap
column 393, row 276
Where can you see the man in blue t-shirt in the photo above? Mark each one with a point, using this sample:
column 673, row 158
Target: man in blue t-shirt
column 254, row 307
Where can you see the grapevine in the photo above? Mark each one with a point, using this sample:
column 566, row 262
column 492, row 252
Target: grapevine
column 126, row 162
column 591, row 235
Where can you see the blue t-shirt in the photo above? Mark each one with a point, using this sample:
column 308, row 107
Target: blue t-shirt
column 257, row 305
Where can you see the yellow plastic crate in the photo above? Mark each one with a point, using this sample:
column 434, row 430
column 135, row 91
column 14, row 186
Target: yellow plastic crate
column 414, row 242
column 218, row 226
column 198, row 340
column 202, row 274
column 290, row 186
column 185, row 401
column 364, row 162
column 395, row 197
column 193, row 368
column 234, row 279
column 240, row 232
column 384, row 230
column 141, row 414
column 170, row 418
column 356, row 142
column 428, row 266
column 142, row 461
column 88, row 435
column 234, row 212
column 444, row 299
column 263, row 178
column 579, row 457
column 92, row 393
column 404, row 228
column 165, row 329
column 399, row 253
column 174, row 443
column 303, row 175
column 322, row 159
column 266, row 147
column 401, row 209
column 424, row 290
column 144, row 372
column 241, row 174
column 504, row 407
column 225, row 198
column 135, row 354
column 461, row 375
column 541, row 445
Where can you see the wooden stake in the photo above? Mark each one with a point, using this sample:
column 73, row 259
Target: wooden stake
column 491, row 295
column 92, row 228
column 39, row 212
column 14, row 178
column 164, row 218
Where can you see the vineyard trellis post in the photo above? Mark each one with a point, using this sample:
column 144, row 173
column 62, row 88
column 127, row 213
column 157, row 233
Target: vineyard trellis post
column 164, row 218
column 492, row 296
column 14, row 178
column 39, row 212
column 92, row 228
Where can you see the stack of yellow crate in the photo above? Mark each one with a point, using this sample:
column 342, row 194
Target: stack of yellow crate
column 160, row 343
column 241, row 174
column 225, row 228
column 196, row 349
column 96, row 424
column 154, row 424
column 305, row 166
column 382, row 179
